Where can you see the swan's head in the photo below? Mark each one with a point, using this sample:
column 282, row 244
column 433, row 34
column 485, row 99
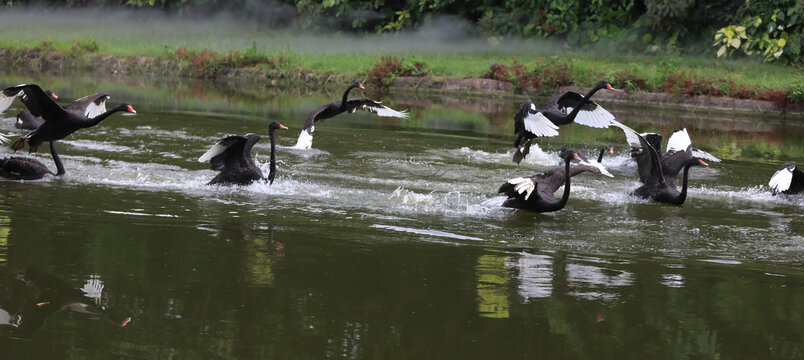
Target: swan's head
column 128, row 108
column 608, row 148
column 605, row 85
column 357, row 84
column 569, row 155
column 51, row 94
column 276, row 125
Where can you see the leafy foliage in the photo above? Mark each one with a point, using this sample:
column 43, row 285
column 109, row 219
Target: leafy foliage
column 770, row 29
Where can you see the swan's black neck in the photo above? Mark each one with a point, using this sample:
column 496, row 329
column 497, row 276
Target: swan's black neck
column 96, row 120
column 59, row 166
column 583, row 101
column 560, row 204
column 346, row 96
column 682, row 196
column 600, row 157
column 272, row 164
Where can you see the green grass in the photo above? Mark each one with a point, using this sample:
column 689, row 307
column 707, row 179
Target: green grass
column 352, row 56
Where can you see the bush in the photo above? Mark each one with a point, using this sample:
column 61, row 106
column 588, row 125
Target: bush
column 770, row 29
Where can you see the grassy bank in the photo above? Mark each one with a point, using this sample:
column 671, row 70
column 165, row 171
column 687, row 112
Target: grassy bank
column 212, row 49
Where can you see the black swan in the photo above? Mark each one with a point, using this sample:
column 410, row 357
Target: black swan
column 23, row 168
column 603, row 150
column 787, row 180
column 232, row 156
column 535, row 193
column 655, row 140
column 90, row 106
column 563, row 109
column 59, row 121
column 336, row 107
column 658, row 173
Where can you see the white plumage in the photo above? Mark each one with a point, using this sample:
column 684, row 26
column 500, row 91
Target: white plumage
column 5, row 101
column 781, row 180
column 523, row 185
column 630, row 134
column 94, row 110
column 382, row 110
column 599, row 166
column 540, row 125
column 597, row 118
column 214, row 151
column 679, row 141
column 704, row 155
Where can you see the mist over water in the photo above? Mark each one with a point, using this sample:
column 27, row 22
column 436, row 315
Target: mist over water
column 149, row 29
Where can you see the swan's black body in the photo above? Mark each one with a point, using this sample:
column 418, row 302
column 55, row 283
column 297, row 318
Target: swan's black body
column 232, row 156
column 59, row 121
column 541, row 199
column 556, row 112
column 660, row 174
column 347, row 104
column 23, row 168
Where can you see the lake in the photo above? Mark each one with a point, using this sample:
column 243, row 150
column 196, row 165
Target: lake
column 386, row 239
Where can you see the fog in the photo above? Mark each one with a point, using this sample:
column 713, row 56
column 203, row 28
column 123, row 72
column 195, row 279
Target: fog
column 275, row 31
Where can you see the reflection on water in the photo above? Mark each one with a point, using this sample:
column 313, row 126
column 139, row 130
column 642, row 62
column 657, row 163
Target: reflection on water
column 5, row 229
column 492, row 286
column 36, row 296
column 534, row 274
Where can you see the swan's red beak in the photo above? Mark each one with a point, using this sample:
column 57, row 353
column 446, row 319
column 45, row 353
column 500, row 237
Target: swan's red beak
column 608, row 86
column 131, row 109
column 42, row 303
column 702, row 162
column 611, row 149
column 283, row 127
column 53, row 95
column 361, row 86
column 125, row 321
column 576, row 157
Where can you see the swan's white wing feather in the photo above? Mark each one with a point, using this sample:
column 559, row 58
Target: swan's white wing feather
column 214, row 151
column 704, row 155
column 781, row 180
column 6, row 100
column 382, row 110
column 523, row 185
column 599, row 166
column 679, row 141
column 596, row 117
column 539, row 125
column 94, row 110
column 630, row 134
column 3, row 139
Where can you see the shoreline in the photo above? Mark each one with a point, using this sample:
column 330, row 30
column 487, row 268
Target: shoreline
column 51, row 62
